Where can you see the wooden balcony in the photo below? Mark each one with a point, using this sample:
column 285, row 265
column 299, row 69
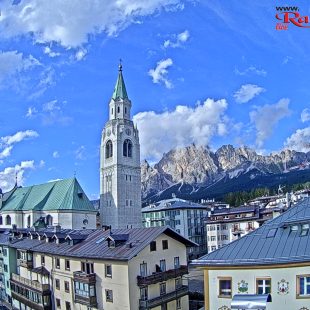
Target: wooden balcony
column 84, row 277
column 34, row 285
column 84, row 300
column 158, row 301
column 157, row 277
column 31, row 304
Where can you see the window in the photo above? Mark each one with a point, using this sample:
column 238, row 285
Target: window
column 49, row 220
column 68, row 305
column 67, row 287
column 162, row 288
column 213, row 238
column 8, row 220
column 109, row 295
column 57, row 284
column 87, row 267
column 163, row 307
column 143, row 293
column 108, row 183
column 58, row 305
column 225, row 287
column 67, row 264
column 304, row 230
column 127, row 148
column 84, row 289
column 153, row 246
column 42, row 259
column 28, row 220
column 118, row 109
column 1, row 220
column 125, row 110
column 303, row 286
column 143, row 269
column 109, row 149
column 108, row 271
column 5, row 252
column 5, row 267
column 57, row 263
column 162, row 265
column 165, row 244
column 178, row 283
column 263, row 286
column 176, row 262
column 179, row 303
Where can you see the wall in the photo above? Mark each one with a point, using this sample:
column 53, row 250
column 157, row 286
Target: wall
column 279, row 301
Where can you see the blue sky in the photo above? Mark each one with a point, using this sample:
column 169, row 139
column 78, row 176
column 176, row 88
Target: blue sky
column 205, row 72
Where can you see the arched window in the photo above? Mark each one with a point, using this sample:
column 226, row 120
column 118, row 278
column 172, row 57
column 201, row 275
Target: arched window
column 28, row 220
column 125, row 110
column 118, row 109
column 109, row 149
column 112, row 111
column 8, row 220
column 49, row 220
column 127, row 148
column 1, row 222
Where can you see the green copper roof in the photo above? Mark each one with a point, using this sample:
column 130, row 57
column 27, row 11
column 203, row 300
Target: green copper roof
column 120, row 88
column 59, row 195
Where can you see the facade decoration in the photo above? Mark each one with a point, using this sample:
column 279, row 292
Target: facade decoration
column 243, row 287
column 283, row 287
column 224, row 308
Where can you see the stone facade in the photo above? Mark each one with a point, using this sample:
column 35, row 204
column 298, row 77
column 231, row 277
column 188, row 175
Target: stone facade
column 120, row 173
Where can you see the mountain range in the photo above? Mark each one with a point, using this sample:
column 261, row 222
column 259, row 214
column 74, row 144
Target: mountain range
column 196, row 172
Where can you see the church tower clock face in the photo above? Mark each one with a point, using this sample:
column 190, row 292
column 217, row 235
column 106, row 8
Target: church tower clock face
column 120, row 174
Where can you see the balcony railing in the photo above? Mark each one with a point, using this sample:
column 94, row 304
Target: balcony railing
column 30, row 284
column 84, row 300
column 162, row 276
column 31, row 304
column 25, row 263
column 84, row 277
column 157, row 301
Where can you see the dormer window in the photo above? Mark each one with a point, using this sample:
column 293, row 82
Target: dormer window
column 304, row 230
column 294, row 228
column 111, row 243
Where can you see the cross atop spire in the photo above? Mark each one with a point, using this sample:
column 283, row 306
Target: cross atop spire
column 120, row 88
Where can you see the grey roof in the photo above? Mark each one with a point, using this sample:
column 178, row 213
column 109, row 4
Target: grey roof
column 272, row 243
column 241, row 209
column 173, row 204
column 96, row 246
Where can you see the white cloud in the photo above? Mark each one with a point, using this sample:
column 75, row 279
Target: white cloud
column 50, row 113
column 159, row 74
column 299, row 140
column 266, row 117
column 12, row 64
column 247, row 92
column 161, row 132
column 178, row 40
column 305, row 115
column 9, row 174
column 31, row 112
column 47, row 50
column 251, row 70
column 56, row 154
column 70, row 23
column 80, row 54
column 80, row 153
column 7, row 142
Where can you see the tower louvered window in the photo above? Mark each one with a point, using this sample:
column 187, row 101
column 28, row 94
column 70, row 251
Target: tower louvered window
column 109, row 149
column 127, row 148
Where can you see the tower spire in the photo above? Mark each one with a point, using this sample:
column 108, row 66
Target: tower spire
column 120, row 88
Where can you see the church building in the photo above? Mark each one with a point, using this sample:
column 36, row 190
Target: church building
column 120, row 173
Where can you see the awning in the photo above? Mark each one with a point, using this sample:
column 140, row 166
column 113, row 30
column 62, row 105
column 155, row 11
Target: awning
column 248, row 301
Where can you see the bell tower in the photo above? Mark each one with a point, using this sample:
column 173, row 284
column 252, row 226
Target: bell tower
column 120, row 173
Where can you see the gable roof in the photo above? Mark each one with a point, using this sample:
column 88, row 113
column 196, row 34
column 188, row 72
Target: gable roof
column 58, row 195
column 95, row 246
column 273, row 243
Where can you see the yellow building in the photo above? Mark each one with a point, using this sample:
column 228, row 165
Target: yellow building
column 270, row 266
column 96, row 269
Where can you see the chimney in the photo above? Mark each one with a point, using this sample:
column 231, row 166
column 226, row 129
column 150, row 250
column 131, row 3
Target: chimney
column 57, row 228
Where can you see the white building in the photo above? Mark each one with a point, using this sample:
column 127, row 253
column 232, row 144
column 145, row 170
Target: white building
column 62, row 203
column 123, row 269
column 270, row 264
column 120, row 173
column 185, row 217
